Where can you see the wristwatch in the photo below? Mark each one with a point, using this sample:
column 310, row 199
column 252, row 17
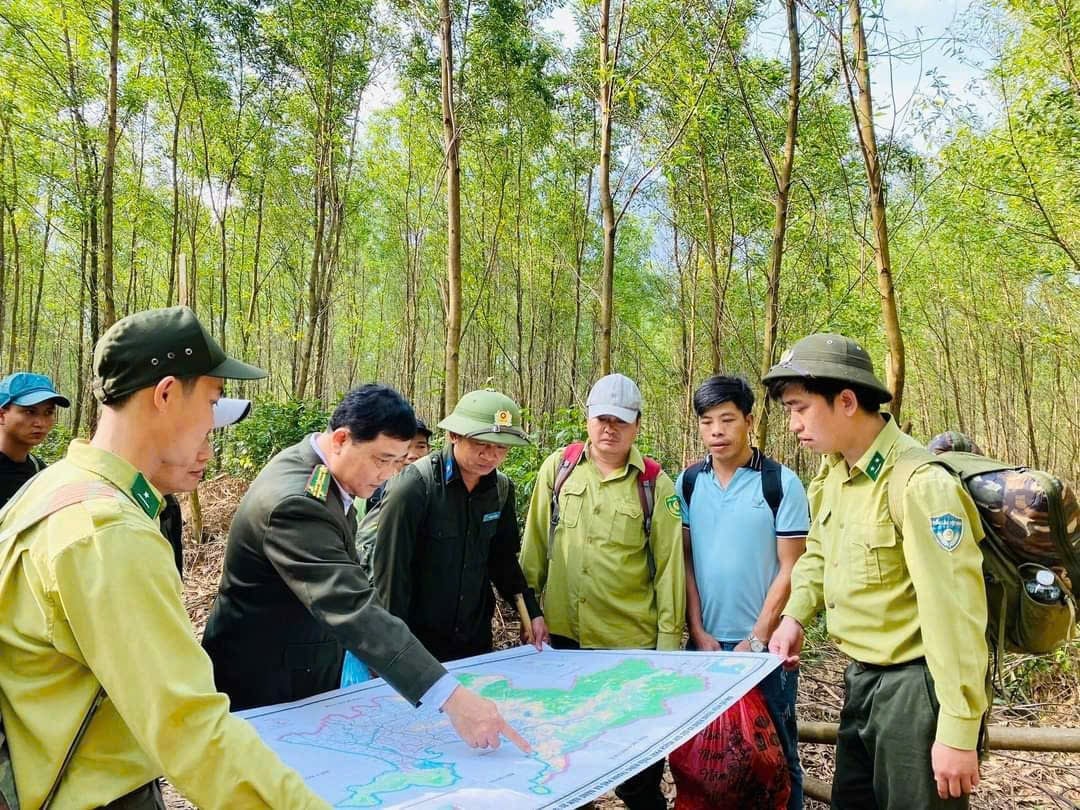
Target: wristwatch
column 756, row 644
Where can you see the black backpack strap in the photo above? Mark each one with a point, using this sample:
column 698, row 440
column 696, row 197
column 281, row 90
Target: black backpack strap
column 689, row 478
column 771, row 488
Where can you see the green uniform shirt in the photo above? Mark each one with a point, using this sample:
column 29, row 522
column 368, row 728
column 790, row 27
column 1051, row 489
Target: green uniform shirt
column 893, row 596
column 596, row 584
column 90, row 596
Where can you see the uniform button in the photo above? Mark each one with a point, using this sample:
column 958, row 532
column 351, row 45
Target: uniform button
column 596, row 510
column 582, row 599
column 831, row 606
column 836, row 564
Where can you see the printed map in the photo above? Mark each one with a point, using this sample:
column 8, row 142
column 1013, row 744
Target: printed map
column 593, row 718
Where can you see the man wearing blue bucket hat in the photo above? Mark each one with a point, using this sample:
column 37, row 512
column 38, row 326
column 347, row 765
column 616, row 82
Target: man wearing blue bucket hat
column 28, row 405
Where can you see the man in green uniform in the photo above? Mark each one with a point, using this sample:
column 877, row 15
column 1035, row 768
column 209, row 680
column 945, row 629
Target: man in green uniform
column 906, row 603
column 606, row 583
column 91, row 601
column 294, row 596
column 447, row 529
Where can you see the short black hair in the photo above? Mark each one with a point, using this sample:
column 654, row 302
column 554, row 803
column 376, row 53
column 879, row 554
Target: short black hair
column 869, row 399
column 719, row 389
column 374, row 408
column 187, row 385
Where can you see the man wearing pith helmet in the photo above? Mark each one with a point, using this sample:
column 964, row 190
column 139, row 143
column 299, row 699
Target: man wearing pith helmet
column 446, row 530
column 103, row 687
column 900, row 580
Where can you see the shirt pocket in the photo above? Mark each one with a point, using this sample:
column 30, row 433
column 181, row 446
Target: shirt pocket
column 878, row 555
column 626, row 527
column 571, row 500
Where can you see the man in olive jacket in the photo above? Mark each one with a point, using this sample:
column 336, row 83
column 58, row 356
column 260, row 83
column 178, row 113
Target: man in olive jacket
column 293, row 596
column 446, row 530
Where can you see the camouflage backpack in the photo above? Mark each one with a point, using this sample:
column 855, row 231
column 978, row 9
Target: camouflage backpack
column 1031, row 520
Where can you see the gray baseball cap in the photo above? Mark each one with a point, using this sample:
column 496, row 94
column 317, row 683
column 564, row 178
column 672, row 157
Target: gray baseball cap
column 615, row 395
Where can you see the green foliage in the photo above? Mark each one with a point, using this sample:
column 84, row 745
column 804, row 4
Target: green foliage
column 55, row 445
column 271, row 427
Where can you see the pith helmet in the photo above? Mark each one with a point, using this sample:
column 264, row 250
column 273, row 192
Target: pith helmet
column 828, row 357
column 487, row 416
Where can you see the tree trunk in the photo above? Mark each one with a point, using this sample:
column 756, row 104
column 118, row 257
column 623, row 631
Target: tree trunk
column 453, row 210
column 607, row 205
column 109, row 169
column 864, row 117
column 780, row 214
column 35, row 315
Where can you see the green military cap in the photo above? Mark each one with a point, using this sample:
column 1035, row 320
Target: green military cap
column 953, row 440
column 828, row 357
column 145, row 347
column 489, row 417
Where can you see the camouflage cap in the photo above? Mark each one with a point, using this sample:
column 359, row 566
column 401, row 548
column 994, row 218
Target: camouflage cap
column 145, row 347
column 487, row 416
column 827, row 356
column 953, row 440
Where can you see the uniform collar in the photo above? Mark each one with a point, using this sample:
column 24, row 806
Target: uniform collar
column 871, row 461
column 346, row 498
column 118, row 472
column 451, row 471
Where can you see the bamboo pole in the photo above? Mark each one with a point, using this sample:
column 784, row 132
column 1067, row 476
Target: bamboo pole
column 999, row 738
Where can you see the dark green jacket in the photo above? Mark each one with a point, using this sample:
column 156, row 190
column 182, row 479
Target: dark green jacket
column 293, row 597
column 434, row 550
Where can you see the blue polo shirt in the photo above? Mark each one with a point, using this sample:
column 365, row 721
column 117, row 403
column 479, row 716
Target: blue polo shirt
column 733, row 539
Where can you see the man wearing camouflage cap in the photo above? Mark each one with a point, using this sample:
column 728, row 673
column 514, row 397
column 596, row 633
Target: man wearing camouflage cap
column 905, row 601
column 98, row 659
column 446, row 530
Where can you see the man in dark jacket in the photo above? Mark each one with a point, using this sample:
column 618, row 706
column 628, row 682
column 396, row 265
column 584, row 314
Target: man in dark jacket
column 293, row 596
column 446, row 530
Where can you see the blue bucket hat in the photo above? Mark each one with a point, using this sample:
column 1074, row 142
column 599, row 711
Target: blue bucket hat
column 26, row 389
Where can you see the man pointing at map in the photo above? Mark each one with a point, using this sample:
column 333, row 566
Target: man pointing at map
column 293, row 595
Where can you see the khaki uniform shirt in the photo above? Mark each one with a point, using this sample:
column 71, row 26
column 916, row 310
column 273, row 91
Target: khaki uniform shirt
column 894, row 595
column 90, row 597
column 596, row 583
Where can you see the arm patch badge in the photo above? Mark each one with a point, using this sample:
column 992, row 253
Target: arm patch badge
column 948, row 530
column 318, row 484
column 672, row 503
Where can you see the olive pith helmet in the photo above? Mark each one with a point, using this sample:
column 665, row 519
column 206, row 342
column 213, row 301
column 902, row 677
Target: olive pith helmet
column 487, row 416
column 825, row 356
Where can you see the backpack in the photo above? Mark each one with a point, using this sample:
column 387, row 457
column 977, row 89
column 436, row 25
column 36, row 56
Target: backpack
column 771, row 488
column 1031, row 520
column 61, row 498
column 572, row 455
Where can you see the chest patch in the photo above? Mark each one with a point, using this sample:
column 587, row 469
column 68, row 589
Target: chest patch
column 490, row 516
column 948, row 530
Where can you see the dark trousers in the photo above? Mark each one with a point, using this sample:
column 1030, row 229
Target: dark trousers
column 642, row 790
column 780, row 689
column 887, row 727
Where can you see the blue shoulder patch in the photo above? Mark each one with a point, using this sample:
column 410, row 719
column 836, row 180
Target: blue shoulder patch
column 948, row 530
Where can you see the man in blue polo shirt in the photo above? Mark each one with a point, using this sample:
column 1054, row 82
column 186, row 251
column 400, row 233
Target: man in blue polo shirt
column 745, row 519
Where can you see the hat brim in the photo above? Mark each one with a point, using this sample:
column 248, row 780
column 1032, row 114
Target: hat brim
column 37, row 397
column 231, row 369
column 485, row 432
column 627, row 415
column 829, row 371
column 230, row 411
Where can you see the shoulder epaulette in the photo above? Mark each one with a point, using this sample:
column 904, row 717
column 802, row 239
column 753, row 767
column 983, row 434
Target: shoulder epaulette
column 319, row 484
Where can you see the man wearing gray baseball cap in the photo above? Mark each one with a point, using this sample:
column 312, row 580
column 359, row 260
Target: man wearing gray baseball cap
column 610, row 567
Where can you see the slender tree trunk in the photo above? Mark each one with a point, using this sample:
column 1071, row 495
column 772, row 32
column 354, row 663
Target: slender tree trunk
column 780, row 215
column 453, row 210
column 607, row 204
column 864, row 116
column 80, row 356
column 109, row 169
column 35, row 316
column 714, row 268
column 245, row 335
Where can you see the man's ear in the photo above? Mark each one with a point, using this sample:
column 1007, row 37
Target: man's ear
column 849, row 402
column 339, row 437
column 3, row 415
column 166, row 388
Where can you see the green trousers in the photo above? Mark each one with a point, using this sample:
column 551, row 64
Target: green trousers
column 887, row 727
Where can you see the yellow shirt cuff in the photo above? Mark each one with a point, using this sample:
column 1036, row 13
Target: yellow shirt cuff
column 801, row 609
column 958, row 732
column 669, row 641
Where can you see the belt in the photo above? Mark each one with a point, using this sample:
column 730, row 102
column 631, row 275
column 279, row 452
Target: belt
column 920, row 661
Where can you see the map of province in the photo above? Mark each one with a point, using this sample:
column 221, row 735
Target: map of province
column 592, row 717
